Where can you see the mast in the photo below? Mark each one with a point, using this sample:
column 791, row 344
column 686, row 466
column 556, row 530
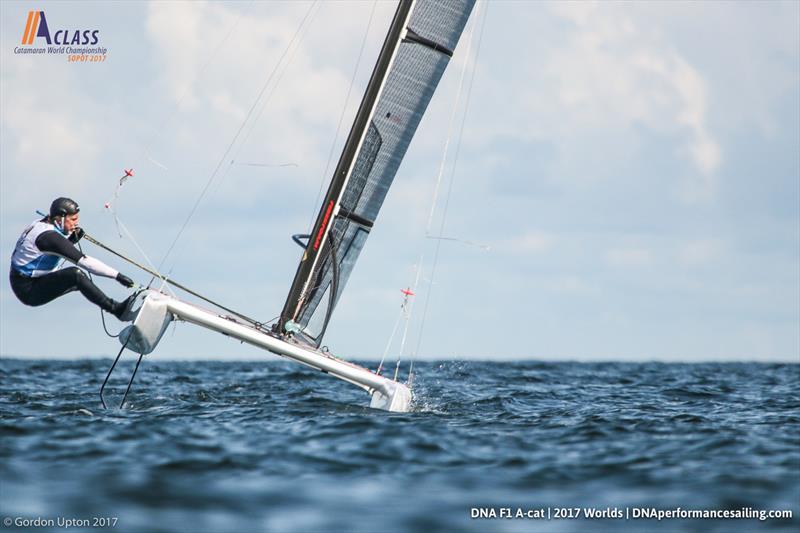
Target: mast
column 318, row 244
column 414, row 55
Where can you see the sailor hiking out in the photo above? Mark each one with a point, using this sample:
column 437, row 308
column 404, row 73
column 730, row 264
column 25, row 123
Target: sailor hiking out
column 36, row 277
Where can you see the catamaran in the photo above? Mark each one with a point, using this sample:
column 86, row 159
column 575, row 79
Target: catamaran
column 420, row 42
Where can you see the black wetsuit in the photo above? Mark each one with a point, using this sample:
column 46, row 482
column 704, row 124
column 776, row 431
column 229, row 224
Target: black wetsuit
column 35, row 277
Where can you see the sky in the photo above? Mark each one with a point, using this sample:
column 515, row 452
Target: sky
column 622, row 179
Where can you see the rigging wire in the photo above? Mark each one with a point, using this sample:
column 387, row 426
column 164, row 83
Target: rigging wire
column 452, row 180
column 236, row 136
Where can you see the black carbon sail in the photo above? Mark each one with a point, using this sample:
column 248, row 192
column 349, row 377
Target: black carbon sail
column 417, row 49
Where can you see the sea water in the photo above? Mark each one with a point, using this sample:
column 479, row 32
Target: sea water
column 489, row 446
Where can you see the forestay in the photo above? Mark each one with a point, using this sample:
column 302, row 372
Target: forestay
column 416, row 52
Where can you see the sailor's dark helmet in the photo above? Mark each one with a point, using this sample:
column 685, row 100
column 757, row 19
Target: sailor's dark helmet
column 62, row 207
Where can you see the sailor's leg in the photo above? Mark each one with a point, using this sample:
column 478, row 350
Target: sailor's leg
column 93, row 293
column 47, row 288
column 20, row 285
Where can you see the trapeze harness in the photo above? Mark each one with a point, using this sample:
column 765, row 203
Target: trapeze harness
column 36, row 277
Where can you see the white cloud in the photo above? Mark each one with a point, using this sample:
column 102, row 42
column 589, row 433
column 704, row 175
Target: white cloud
column 614, row 72
column 184, row 35
column 53, row 143
column 608, row 88
column 690, row 107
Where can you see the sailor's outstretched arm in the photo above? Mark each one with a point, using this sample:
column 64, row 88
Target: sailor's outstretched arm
column 51, row 242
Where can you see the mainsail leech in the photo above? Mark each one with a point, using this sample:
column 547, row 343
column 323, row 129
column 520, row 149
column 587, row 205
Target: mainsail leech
column 420, row 42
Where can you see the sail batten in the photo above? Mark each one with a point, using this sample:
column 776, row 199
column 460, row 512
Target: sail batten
column 414, row 56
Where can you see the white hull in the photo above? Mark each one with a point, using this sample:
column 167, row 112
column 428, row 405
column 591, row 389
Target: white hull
column 152, row 312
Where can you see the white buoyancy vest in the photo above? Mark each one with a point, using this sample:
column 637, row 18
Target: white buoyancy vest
column 27, row 259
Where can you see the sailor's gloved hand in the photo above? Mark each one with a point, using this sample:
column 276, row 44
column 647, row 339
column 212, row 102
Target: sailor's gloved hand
column 77, row 234
column 125, row 280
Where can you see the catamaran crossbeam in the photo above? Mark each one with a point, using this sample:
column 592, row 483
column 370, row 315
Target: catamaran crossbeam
column 152, row 312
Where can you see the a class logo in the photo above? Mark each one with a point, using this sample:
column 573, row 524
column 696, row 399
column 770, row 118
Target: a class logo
column 79, row 45
column 36, row 26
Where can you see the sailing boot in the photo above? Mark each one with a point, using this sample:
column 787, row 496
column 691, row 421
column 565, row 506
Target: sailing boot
column 118, row 308
column 96, row 296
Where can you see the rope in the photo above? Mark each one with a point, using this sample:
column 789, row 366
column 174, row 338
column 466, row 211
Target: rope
column 170, row 281
column 105, row 328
